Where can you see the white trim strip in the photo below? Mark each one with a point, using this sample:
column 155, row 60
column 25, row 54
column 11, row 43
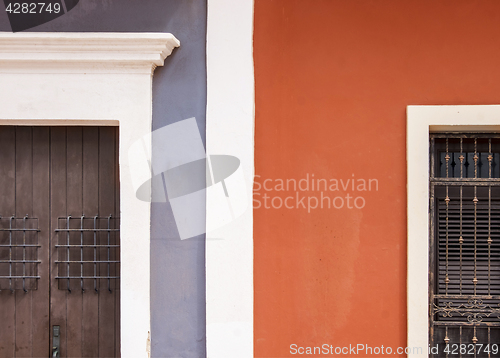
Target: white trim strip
column 230, row 127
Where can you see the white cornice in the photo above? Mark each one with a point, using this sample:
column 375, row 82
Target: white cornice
column 84, row 51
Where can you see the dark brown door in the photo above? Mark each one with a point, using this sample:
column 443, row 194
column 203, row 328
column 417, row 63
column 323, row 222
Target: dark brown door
column 59, row 242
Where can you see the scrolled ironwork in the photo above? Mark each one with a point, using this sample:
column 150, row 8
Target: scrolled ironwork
column 475, row 310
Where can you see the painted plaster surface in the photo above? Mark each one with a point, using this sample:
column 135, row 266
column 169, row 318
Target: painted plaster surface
column 333, row 82
column 179, row 92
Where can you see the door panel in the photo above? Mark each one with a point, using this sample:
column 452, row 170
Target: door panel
column 106, row 206
column 7, row 205
column 74, row 208
column 7, row 209
column 24, row 198
column 58, row 193
column 24, row 316
column 40, row 204
column 90, row 155
column 52, row 174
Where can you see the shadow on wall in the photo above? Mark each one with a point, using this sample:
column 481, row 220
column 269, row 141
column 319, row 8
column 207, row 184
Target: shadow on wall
column 109, row 16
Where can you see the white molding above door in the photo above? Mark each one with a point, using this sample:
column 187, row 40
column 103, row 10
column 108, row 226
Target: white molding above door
column 77, row 52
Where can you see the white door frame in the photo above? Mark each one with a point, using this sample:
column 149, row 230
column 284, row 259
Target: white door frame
column 95, row 79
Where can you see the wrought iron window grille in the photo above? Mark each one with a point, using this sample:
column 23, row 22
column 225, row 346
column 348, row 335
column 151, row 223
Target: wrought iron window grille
column 464, row 270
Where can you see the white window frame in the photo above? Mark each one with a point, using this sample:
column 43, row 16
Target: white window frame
column 95, row 79
column 422, row 120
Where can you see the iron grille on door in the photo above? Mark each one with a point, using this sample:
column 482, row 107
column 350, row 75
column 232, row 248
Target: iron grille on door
column 88, row 251
column 465, row 245
column 19, row 253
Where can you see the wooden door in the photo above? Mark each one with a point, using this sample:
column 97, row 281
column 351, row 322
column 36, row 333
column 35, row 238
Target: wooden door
column 59, row 241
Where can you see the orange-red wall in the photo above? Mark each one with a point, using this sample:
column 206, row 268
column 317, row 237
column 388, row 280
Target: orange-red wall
column 333, row 79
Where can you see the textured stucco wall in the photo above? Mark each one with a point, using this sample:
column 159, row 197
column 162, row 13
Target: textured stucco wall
column 333, row 80
column 179, row 92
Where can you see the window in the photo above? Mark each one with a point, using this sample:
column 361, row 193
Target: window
column 421, row 122
column 464, row 251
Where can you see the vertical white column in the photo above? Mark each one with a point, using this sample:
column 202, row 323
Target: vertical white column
column 230, row 130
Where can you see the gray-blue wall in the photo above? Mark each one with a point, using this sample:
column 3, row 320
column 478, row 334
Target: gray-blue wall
column 179, row 92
